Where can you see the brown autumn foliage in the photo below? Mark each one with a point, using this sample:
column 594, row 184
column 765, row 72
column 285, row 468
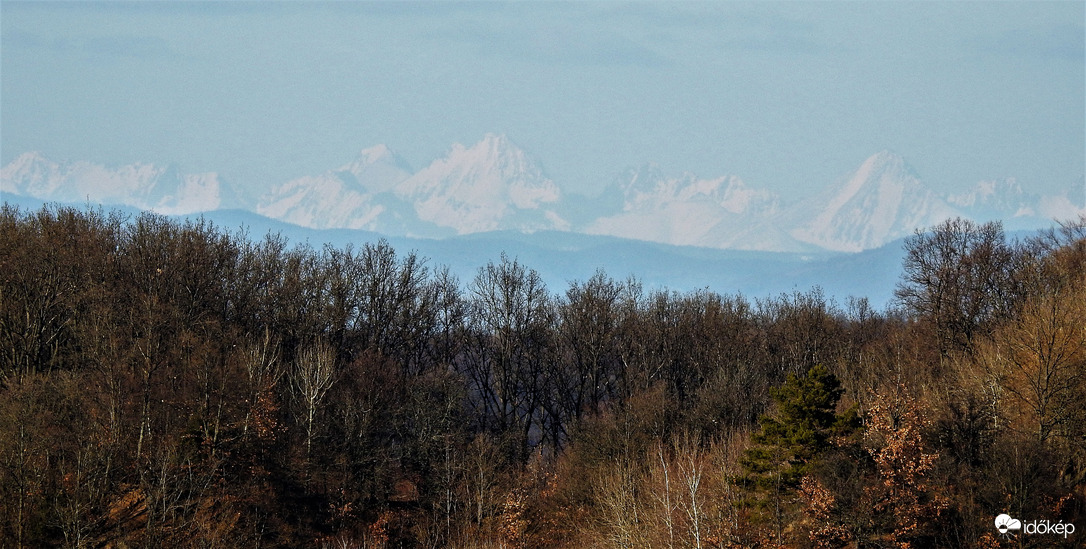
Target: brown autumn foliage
column 171, row 384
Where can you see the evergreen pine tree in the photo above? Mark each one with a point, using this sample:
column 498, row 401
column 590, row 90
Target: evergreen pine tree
column 802, row 428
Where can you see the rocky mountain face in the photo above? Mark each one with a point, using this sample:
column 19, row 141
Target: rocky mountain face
column 494, row 185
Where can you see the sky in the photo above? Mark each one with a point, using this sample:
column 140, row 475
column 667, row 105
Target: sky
column 788, row 96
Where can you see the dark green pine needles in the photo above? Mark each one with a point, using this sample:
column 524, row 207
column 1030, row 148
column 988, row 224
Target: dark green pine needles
column 802, row 428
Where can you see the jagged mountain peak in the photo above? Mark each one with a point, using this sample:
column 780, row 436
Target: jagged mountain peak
column 492, row 152
column 492, row 139
column 686, row 209
column 491, row 160
column 498, row 143
column 888, row 161
column 650, row 183
column 882, row 168
column 358, row 195
column 375, row 169
column 997, row 194
column 885, row 156
column 491, row 185
column 881, row 200
column 646, row 178
column 380, row 154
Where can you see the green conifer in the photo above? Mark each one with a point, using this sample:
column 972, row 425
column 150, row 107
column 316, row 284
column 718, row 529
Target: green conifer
column 802, row 428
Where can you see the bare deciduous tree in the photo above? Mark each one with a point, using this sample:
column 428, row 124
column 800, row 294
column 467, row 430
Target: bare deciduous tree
column 957, row 278
column 313, row 374
column 512, row 318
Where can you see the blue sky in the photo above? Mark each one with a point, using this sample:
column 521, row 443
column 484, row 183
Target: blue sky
column 789, row 96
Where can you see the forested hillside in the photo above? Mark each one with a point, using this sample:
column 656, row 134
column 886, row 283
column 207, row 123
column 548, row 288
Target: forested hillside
column 171, row 384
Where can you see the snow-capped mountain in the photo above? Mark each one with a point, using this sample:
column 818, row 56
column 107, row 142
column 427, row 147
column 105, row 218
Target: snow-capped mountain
column 146, row 186
column 1006, row 200
column 995, row 199
column 358, row 195
column 881, row 201
column 492, row 185
column 688, row 210
column 378, row 169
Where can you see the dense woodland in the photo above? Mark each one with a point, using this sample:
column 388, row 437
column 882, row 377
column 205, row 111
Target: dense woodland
column 172, row 384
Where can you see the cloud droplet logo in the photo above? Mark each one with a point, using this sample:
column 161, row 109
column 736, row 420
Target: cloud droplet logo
column 1004, row 523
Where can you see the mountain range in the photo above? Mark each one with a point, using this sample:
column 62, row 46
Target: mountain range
column 494, row 185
